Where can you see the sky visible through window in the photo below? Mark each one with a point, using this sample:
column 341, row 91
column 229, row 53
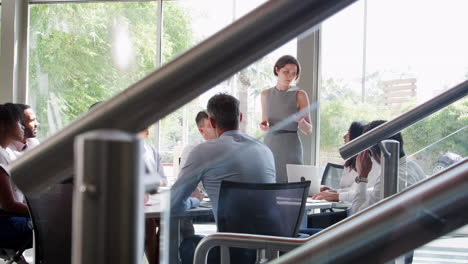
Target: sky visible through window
column 422, row 39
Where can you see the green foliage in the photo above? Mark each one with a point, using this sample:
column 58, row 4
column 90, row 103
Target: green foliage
column 437, row 126
column 71, row 64
column 336, row 117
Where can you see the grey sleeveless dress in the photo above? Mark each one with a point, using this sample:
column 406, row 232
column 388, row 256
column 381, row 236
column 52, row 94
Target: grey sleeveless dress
column 282, row 138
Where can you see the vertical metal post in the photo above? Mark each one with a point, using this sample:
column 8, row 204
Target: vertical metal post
column 108, row 198
column 389, row 160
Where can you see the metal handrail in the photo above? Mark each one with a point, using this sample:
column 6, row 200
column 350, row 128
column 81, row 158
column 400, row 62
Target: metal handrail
column 380, row 233
column 401, row 122
column 163, row 91
column 245, row 241
column 388, row 229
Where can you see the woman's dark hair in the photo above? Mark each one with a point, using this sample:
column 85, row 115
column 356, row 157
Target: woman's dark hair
column 10, row 115
column 397, row 137
column 287, row 59
column 355, row 130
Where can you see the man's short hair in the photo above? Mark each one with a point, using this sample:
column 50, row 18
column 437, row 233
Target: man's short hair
column 23, row 106
column 224, row 109
column 397, row 137
column 10, row 114
column 200, row 117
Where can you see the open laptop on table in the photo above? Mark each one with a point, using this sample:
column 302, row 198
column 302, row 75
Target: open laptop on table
column 298, row 173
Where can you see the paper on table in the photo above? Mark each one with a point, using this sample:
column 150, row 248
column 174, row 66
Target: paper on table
column 153, row 200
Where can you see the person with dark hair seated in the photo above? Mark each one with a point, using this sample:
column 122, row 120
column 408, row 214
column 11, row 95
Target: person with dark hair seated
column 30, row 125
column 364, row 164
column 232, row 156
column 15, row 225
column 345, row 193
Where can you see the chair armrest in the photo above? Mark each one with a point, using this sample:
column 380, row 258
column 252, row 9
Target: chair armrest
column 244, row 241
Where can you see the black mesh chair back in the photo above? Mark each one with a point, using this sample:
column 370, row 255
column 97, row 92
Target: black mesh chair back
column 274, row 209
column 51, row 213
column 332, row 175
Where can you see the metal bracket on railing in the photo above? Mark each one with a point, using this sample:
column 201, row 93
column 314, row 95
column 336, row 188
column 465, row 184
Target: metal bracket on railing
column 108, row 198
column 389, row 161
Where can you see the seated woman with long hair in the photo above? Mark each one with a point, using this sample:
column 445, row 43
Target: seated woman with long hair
column 345, row 193
column 317, row 222
column 15, row 224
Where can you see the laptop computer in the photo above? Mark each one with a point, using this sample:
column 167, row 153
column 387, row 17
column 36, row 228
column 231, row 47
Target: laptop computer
column 298, row 173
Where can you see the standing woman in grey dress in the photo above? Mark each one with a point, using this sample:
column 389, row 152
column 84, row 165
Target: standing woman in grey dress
column 285, row 110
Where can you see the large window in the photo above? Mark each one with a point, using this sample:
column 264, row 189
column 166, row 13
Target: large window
column 84, row 53
column 380, row 58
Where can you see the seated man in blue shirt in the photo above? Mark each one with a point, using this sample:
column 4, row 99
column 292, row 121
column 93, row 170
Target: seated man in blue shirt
column 232, row 156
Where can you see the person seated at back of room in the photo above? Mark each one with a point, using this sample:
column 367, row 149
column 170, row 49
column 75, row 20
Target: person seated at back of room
column 206, row 131
column 17, row 226
column 30, row 125
column 345, row 193
column 232, row 156
column 155, row 170
column 365, row 162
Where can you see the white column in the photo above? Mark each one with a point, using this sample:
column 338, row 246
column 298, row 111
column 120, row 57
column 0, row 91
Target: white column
column 159, row 29
column 14, row 51
column 308, row 53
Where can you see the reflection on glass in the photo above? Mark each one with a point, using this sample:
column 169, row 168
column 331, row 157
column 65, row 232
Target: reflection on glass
column 84, row 53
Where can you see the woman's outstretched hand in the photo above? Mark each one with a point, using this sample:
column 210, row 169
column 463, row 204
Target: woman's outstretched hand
column 302, row 123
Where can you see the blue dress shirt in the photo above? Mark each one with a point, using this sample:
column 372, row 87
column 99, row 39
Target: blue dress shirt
column 233, row 156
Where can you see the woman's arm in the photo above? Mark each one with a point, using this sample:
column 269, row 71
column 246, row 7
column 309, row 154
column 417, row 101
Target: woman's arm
column 6, row 197
column 303, row 119
column 264, row 124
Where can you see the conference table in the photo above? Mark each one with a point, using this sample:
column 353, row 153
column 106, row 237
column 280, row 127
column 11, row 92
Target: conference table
column 156, row 203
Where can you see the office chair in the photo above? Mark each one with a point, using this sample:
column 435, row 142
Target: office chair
column 332, row 175
column 51, row 213
column 274, row 209
column 12, row 251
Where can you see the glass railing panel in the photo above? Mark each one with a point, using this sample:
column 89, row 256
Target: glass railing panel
column 435, row 143
column 450, row 248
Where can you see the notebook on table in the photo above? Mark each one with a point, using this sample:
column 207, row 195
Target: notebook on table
column 299, row 173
